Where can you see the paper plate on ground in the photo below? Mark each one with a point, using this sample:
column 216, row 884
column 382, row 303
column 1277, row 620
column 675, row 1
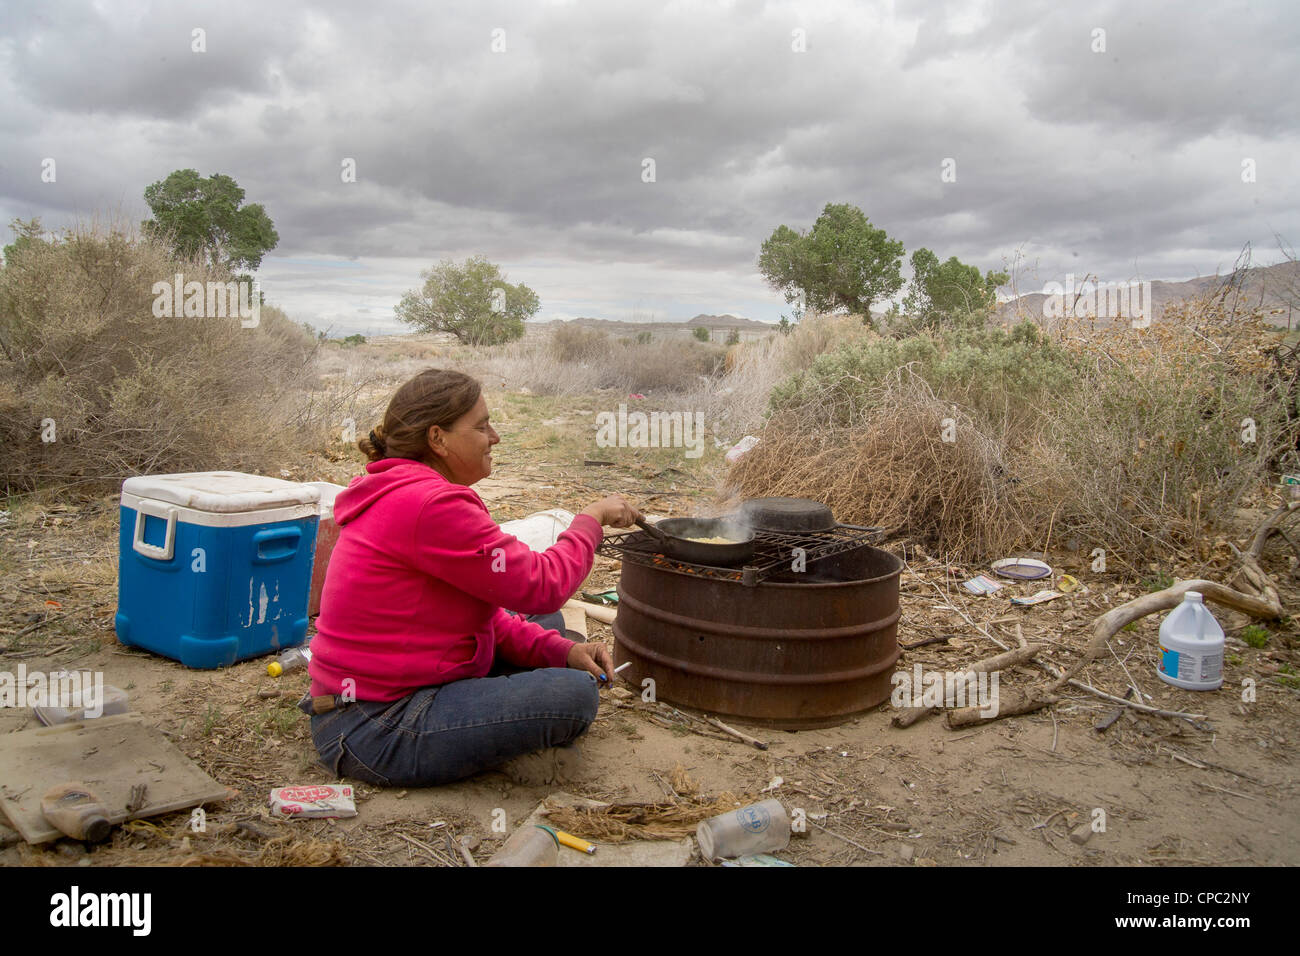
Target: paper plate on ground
column 1022, row 569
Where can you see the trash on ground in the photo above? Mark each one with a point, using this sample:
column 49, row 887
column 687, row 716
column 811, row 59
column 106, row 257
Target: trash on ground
column 1191, row 646
column 757, row 828
column 758, row 859
column 294, row 659
column 310, row 802
column 76, row 811
column 663, row 839
column 739, row 450
column 117, row 753
column 1022, row 569
column 1038, row 597
column 79, row 705
column 532, row 844
column 982, row 584
column 575, row 843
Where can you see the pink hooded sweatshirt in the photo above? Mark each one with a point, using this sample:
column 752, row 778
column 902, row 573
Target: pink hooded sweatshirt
column 416, row 584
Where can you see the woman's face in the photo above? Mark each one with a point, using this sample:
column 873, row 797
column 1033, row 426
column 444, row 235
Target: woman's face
column 463, row 453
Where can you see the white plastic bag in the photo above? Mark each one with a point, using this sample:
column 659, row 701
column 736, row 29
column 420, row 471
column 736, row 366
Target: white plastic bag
column 541, row 529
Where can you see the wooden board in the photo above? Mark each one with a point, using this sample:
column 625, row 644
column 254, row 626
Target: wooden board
column 110, row 755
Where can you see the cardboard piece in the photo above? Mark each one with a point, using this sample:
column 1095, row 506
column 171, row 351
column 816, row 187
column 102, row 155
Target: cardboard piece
column 110, row 755
column 631, row 853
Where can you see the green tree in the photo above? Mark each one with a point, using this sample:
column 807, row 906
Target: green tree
column 701, row 333
column 26, row 234
column 842, row 263
column 473, row 302
column 949, row 292
column 207, row 218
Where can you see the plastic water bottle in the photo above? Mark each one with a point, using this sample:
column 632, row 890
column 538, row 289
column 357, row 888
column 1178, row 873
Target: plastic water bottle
column 293, row 659
column 757, row 828
column 1191, row 646
column 529, row 846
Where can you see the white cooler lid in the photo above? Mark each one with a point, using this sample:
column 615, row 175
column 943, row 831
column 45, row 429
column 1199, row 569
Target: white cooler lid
column 221, row 492
column 328, row 492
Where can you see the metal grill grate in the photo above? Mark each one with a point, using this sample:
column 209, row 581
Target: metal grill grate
column 773, row 552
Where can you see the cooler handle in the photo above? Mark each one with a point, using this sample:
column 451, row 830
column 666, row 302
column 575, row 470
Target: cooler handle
column 164, row 552
column 275, row 544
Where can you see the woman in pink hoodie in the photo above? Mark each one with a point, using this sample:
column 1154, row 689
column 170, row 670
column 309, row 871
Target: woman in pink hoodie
column 418, row 675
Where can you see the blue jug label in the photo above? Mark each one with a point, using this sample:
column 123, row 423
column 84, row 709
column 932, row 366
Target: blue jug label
column 1169, row 662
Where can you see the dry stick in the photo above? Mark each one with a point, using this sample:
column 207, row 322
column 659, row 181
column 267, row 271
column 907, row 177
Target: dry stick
column 438, row 857
column 941, row 639
column 847, row 840
column 1020, row 655
column 714, row 722
column 1270, row 524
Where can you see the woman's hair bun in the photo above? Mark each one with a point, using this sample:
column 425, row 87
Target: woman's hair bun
column 374, row 446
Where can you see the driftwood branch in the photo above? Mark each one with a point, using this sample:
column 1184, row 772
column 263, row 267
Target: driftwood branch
column 1271, row 523
column 1110, row 623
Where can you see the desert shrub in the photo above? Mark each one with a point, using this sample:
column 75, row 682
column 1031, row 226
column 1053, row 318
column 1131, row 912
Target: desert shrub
column 890, row 467
column 606, row 364
column 1000, row 376
column 84, row 360
column 1140, row 441
column 1151, row 451
column 573, row 343
column 701, row 333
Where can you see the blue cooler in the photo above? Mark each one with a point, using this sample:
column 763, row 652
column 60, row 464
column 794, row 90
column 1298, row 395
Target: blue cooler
column 214, row 567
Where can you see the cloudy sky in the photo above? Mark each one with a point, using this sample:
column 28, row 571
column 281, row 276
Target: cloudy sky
column 519, row 131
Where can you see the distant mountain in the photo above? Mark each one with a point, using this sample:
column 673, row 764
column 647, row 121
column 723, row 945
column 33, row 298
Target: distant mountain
column 1274, row 289
column 729, row 322
column 703, row 319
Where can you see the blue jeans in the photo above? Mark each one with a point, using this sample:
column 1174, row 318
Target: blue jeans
column 451, row 731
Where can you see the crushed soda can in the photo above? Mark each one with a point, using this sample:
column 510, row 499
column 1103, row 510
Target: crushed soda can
column 320, row 800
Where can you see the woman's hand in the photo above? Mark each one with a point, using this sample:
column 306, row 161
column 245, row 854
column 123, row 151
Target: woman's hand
column 595, row 659
column 613, row 512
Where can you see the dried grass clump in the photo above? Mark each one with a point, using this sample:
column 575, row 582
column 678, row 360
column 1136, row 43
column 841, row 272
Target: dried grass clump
column 127, row 392
column 891, row 468
column 573, row 343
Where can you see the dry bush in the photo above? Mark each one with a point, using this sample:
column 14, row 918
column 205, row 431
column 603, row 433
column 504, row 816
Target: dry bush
column 1148, row 454
column 127, row 392
column 534, row 363
column 736, row 397
column 891, row 468
column 573, row 343
column 1132, row 440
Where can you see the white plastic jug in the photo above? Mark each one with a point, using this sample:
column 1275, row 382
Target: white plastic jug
column 1191, row 646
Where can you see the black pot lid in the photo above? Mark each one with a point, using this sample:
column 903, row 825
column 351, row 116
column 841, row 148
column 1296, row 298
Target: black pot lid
column 788, row 514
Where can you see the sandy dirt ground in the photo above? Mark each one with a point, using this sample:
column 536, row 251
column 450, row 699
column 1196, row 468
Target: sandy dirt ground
column 1220, row 791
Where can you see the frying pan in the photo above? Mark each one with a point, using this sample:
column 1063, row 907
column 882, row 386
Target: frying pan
column 678, row 531
column 792, row 516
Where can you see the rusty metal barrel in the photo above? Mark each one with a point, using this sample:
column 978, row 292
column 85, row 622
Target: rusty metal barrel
column 796, row 651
